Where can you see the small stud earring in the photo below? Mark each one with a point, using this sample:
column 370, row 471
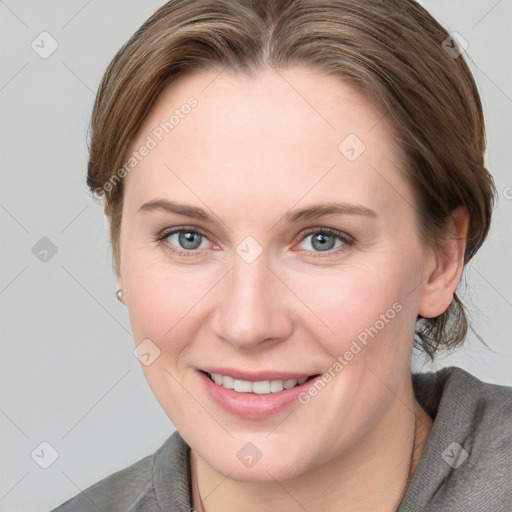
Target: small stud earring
column 119, row 295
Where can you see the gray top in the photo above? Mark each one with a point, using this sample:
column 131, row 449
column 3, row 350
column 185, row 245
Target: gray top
column 466, row 464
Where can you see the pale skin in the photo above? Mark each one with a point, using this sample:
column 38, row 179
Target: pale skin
column 251, row 151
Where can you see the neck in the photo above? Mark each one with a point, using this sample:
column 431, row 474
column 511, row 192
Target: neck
column 374, row 476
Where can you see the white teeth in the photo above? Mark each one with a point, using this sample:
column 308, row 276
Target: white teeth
column 227, row 382
column 290, row 383
column 263, row 387
column 243, row 386
column 276, row 386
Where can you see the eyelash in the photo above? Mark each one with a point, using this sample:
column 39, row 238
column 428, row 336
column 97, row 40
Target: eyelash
column 160, row 239
column 346, row 239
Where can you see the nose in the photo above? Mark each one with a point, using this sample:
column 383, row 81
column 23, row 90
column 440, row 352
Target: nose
column 252, row 308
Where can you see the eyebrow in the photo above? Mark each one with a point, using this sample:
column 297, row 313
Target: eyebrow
column 312, row 212
column 316, row 211
column 173, row 207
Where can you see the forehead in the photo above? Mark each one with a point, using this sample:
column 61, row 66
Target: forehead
column 288, row 130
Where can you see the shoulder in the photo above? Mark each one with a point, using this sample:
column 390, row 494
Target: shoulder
column 467, row 458
column 438, row 391
column 130, row 489
column 487, row 410
column 454, row 390
column 476, row 412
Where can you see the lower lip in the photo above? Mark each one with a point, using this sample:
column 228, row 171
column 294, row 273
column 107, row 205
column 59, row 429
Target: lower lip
column 253, row 405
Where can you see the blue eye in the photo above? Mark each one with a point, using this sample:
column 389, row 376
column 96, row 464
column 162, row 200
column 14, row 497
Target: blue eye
column 324, row 240
column 183, row 241
column 186, row 239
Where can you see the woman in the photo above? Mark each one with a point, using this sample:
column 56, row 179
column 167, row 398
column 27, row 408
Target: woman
column 293, row 190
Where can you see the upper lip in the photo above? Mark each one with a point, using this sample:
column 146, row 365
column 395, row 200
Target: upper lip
column 257, row 376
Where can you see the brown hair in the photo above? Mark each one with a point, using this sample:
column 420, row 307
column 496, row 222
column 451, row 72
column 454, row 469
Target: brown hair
column 392, row 50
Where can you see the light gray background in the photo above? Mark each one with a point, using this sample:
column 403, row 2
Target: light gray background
column 68, row 374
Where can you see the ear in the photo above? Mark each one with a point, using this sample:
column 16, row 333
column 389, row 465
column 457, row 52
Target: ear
column 115, row 268
column 445, row 267
column 106, row 207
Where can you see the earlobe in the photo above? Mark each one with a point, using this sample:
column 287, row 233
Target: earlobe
column 106, row 208
column 445, row 268
column 116, row 270
column 120, row 296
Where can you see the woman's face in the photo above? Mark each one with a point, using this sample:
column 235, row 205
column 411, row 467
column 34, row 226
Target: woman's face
column 289, row 248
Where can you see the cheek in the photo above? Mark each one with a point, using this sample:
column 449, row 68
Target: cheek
column 354, row 300
column 165, row 307
column 367, row 331
column 158, row 296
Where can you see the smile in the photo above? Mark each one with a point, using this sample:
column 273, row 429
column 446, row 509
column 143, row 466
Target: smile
column 257, row 395
column 262, row 387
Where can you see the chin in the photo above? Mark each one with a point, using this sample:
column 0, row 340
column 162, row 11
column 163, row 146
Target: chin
column 254, row 465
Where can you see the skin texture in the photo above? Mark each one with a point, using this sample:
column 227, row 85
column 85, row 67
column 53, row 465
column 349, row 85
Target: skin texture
column 250, row 151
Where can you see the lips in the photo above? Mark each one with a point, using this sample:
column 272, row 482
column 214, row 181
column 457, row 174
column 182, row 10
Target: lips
column 255, row 395
column 260, row 387
column 257, row 375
